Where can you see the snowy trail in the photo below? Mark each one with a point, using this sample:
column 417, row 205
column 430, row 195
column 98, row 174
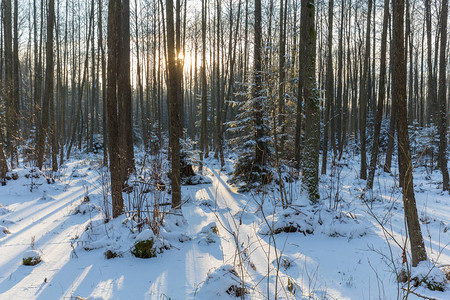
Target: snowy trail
column 242, row 247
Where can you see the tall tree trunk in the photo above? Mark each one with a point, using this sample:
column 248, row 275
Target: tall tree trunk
column 114, row 40
column 310, row 181
column 261, row 149
column 174, row 106
column 418, row 251
column 364, row 91
column 442, row 97
column 16, row 95
column 9, row 74
column 432, row 86
column 124, row 94
column 140, row 88
column 282, row 74
column 104, row 83
column 381, row 96
column 48, row 89
column 329, row 87
column 204, row 127
column 340, row 79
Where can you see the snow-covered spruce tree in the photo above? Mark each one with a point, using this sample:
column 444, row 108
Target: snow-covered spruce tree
column 251, row 131
column 252, row 143
column 310, row 179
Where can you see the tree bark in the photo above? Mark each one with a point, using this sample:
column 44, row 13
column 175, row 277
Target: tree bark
column 442, row 97
column 114, row 20
column 381, row 96
column 124, row 95
column 310, row 181
column 48, row 89
column 432, row 86
column 364, row 91
column 174, row 110
column 418, row 251
column 261, row 149
column 203, row 125
column 329, row 88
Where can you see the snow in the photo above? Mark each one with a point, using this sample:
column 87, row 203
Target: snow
column 32, row 254
column 222, row 243
column 145, row 235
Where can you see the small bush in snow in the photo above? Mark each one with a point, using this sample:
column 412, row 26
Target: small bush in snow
column 427, row 275
column 4, row 231
column 110, row 254
column 237, row 291
column 222, row 282
column 31, row 258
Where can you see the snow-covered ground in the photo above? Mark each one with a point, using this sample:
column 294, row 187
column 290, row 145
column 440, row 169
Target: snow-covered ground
column 224, row 244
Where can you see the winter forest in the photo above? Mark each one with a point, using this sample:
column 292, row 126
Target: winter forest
column 209, row 149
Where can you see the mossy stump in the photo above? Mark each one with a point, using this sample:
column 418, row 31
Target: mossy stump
column 144, row 249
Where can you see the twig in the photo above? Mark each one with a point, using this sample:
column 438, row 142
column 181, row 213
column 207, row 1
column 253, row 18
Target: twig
column 418, row 295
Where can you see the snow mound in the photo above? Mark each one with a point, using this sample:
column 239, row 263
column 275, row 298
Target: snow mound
column 85, row 208
column 31, row 254
column 312, row 220
column 224, row 282
column 341, row 224
column 4, row 211
column 78, row 174
column 289, row 220
column 173, row 230
column 209, row 234
column 145, row 235
column 429, row 276
column 3, row 231
column 118, row 235
column 195, row 180
column 31, row 258
column 100, row 234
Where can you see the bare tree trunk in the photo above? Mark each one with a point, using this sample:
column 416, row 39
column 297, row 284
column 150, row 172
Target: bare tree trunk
column 364, row 91
column 204, row 128
column 282, row 75
column 124, row 95
column 261, row 149
column 174, row 108
column 9, row 74
column 16, row 95
column 299, row 112
column 329, row 88
column 48, row 90
column 442, row 97
column 140, row 88
column 381, row 96
column 432, row 86
column 104, row 83
column 418, row 251
column 340, row 79
column 310, row 181
column 114, row 40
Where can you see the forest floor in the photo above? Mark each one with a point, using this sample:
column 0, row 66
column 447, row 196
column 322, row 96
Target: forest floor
column 224, row 244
